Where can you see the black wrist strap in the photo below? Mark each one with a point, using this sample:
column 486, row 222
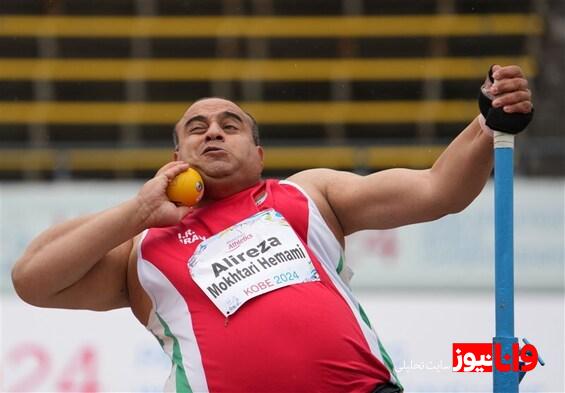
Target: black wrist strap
column 496, row 118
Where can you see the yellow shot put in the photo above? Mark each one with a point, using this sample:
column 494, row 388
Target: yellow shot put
column 186, row 188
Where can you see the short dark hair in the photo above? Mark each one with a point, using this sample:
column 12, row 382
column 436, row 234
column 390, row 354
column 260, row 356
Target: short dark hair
column 254, row 127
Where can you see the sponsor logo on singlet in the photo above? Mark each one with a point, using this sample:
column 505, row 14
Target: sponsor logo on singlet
column 238, row 241
column 189, row 237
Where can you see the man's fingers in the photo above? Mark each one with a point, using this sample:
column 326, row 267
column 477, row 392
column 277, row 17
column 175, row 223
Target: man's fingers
column 174, row 170
column 511, row 98
column 170, row 165
column 169, row 171
column 512, row 71
column 521, row 107
column 511, row 90
column 509, row 85
column 165, row 167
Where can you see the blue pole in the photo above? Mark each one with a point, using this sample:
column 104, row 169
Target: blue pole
column 504, row 382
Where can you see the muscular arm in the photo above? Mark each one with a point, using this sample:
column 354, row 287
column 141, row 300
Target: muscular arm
column 83, row 263
column 397, row 197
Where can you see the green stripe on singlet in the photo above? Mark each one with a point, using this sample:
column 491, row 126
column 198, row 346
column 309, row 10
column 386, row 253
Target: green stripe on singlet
column 339, row 265
column 180, row 377
column 161, row 342
column 364, row 316
column 388, row 361
column 386, row 357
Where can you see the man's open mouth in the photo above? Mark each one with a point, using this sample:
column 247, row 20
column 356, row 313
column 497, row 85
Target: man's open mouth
column 211, row 149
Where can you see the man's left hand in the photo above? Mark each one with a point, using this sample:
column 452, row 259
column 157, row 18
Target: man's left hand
column 510, row 90
column 505, row 99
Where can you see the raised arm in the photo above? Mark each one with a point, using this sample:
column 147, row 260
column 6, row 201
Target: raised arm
column 397, row 197
column 82, row 263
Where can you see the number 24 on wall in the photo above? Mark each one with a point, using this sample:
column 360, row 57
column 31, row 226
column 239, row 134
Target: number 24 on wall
column 33, row 366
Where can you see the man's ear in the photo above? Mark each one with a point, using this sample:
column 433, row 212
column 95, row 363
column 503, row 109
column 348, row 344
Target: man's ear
column 176, row 155
column 261, row 152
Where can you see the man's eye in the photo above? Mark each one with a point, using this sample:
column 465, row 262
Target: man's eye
column 197, row 129
column 230, row 127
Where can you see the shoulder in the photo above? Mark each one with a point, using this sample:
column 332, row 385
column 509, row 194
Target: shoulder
column 314, row 183
column 313, row 177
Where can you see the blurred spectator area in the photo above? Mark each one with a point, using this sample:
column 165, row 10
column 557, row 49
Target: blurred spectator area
column 93, row 88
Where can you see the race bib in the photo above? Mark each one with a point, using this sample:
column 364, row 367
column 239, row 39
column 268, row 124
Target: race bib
column 255, row 256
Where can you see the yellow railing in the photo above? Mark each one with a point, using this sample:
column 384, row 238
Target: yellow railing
column 230, row 69
column 308, row 112
column 276, row 158
column 366, row 26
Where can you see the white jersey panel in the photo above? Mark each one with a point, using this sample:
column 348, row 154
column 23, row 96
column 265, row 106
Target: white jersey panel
column 171, row 323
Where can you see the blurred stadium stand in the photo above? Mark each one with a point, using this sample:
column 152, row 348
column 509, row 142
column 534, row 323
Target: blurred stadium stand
column 92, row 88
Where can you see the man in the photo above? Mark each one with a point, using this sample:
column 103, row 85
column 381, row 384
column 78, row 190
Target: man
column 244, row 290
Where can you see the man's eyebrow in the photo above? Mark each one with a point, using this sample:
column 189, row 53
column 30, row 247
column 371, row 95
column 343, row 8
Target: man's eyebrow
column 232, row 115
column 194, row 118
column 204, row 118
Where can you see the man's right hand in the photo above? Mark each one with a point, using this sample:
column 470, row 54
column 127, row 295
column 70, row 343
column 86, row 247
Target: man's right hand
column 83, row 263
column 155, row 208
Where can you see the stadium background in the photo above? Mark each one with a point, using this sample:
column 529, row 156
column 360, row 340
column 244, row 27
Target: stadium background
column 89, row 94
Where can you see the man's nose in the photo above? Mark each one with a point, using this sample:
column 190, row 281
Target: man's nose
column 214, row 132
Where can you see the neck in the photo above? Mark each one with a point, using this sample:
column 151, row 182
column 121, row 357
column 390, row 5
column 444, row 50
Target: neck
column 216, row 189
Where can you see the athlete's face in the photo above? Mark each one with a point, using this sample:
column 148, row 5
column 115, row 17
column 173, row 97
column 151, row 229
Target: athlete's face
column 215, row 137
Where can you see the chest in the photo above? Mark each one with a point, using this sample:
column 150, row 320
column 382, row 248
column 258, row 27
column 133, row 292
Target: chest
column 220, row 226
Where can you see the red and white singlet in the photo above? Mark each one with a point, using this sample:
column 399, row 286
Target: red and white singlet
column 247, row 297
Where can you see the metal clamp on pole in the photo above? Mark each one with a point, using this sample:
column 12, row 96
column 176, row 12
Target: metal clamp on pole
column 529, row 353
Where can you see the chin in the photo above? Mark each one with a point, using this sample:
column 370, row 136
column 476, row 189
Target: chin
column 217, row 171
